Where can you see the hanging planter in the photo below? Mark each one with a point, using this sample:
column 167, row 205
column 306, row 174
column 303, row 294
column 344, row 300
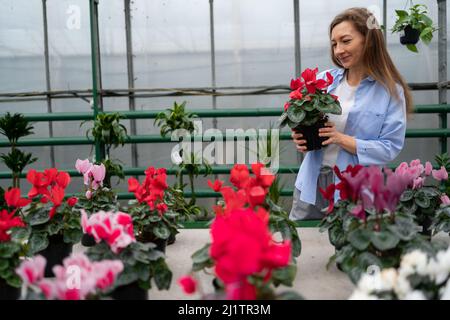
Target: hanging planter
column 414, row 25
column 410, row 36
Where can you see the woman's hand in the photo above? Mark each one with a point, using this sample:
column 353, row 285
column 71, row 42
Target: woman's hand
column 300, row 143
column 346, row 142
column 330, row 131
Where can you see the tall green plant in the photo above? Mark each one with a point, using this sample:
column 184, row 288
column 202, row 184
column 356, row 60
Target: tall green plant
column 111, row 133
column 177, row 118
column 14, row 127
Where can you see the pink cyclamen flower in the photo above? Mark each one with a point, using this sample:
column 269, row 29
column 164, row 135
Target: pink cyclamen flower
column 445, row 200
column 428, row 168
column 188, row 284
column 440, row 174
column 83, row 166
column 31, row 270
column 88, row 194
column 98, row 173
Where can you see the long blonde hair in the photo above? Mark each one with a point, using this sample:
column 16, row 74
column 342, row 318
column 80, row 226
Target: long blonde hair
column 375, row 56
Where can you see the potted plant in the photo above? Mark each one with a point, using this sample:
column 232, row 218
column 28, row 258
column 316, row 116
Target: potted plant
column 421, row 200
column 153, row 220
column 53, row 224
column 77, row 278
column 97, row 196
column 247, row 262
column 15, row 127
column 419, row 277
column 413, row 25
column 115, row 238
column 365, row 225
column 11, row 251
column 251, row 197
column 173, row 119
column 309, row 103
column 443, row 160
column 110, row 133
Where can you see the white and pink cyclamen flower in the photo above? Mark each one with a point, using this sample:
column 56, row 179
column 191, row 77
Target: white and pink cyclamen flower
column 93, row 174
column 31, row 271
column 75, row 279
column 417, row 173
column 116, row 229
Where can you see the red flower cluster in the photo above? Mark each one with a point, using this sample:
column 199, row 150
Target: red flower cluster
column 242, row 246
column 251, row 191
column 152, row 189
column 8, row 221
column 310, row 82
column 50, row 184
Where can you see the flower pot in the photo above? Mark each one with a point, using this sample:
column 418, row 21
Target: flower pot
column 426, row 224
column 7, row 292
column 172, row 239
column 87, row 240
column 146, row 237
column 410, row 36
column 311, row 134
column 130, row 291
column 55, row 253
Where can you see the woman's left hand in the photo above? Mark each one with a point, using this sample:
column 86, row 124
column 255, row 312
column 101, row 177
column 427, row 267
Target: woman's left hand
column 330, row 131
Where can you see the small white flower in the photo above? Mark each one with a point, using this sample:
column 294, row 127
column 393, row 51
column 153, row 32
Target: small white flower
column 415, row 295
column 415, row 261
column 445, row 292
column 360, row 295
column 369, row 283
column 403, row 286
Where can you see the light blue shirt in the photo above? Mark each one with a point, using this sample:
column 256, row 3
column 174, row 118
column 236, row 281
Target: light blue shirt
column 377, row 121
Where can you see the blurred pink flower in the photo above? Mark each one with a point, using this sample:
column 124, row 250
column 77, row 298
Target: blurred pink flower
column 31, row 270
column 440, row 174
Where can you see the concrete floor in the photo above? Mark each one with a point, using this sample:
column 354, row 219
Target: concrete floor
column 313, row 280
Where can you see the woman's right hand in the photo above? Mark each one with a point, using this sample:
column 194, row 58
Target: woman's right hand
column 300, row 143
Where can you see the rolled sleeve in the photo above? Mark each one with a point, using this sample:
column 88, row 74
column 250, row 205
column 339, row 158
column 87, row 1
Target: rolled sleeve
column 390, row 142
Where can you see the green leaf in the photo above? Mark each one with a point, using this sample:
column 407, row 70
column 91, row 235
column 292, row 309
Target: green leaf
column 359, row 238
column 8, row 249
column 54, row 227
column 296, row 114
column 402, row 14
column 384, row 240
column 163, row 275
column 161, row 231
column 37, row 243
column 38, row 217
column 20, row 234
column 289, row 295
column 407, row 195
column 412, row 47
column 284, row 276
column 404, row 229
column 4, row 263
column 422, row 201
column 73, row 235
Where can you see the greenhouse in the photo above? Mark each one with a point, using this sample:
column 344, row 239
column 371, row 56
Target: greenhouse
column 224, row 150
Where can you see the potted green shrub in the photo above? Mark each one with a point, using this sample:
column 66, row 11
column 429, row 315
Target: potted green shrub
column 14, row 127
column 414, row 25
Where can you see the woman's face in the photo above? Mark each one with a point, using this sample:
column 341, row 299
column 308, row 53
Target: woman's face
column 347, row 44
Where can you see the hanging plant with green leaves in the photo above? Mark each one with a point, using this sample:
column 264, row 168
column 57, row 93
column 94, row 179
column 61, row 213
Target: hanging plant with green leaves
column 14, row 127
column 414, row 24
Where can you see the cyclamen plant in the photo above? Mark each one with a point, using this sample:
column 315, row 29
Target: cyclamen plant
column 153, row 219
column 242, row 231
column 11, row 250
column 245, row 257
column 114, row 235
column 49, row 215
column 364, row 225
column 419, row 277
column 420, row 200
column 76, row 279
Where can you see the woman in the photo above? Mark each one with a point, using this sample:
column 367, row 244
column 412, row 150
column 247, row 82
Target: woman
column 374, row 100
